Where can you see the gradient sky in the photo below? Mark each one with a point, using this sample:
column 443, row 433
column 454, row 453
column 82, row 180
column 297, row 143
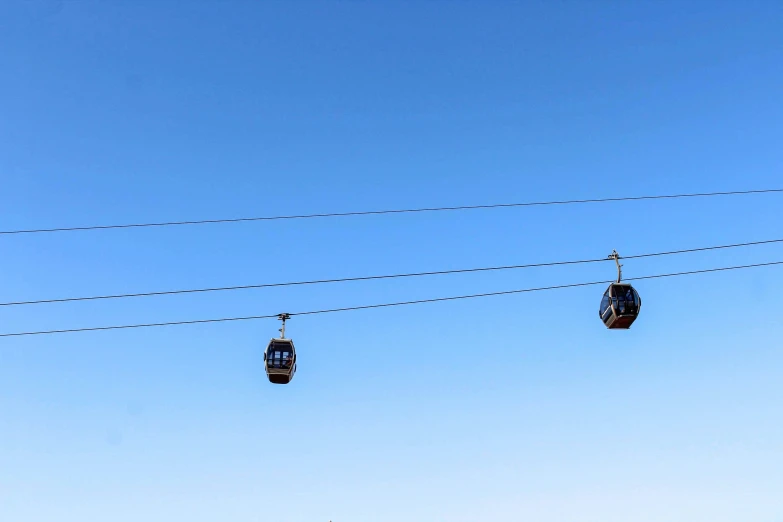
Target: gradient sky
column 505, row 409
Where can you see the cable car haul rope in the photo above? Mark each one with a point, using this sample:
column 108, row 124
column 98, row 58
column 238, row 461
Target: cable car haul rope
column 619, row 309
column 383, row 276
column 382, row 305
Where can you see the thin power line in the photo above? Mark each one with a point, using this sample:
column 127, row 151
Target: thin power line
column 382, row 305
column 376, row 277
column 379, row 212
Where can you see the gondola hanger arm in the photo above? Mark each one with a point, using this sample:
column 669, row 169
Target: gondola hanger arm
column 283, row 317
column 614, row 255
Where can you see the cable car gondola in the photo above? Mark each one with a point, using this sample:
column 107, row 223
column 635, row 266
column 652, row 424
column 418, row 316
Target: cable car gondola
column 280, row 357
column 621, row 303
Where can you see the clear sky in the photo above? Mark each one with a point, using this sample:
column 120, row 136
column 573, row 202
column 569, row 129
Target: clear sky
column 505, row 409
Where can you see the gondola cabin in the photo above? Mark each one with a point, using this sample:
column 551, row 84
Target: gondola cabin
column 620, row 306
column 280, row 361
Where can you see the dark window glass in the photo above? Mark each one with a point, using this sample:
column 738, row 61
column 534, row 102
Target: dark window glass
column 604, row 304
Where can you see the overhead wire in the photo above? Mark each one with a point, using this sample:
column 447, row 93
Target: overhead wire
column 382, row 305
column 386, row 211
column 379, row 277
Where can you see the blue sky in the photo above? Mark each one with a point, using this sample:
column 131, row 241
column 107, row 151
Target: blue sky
column 503, row 409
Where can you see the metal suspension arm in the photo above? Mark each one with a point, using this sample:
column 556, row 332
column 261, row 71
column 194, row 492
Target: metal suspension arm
column 614, row 255
column 283, row 317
